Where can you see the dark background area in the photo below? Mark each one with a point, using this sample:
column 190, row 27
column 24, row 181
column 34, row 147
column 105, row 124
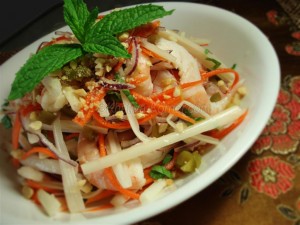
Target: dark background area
column 23, row 22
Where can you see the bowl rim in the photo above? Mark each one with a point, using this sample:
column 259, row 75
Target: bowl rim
column 194, row 186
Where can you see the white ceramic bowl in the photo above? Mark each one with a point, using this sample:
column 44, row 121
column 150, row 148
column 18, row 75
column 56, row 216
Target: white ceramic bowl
column 234, row 40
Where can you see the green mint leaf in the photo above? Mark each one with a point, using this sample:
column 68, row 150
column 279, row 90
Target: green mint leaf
column 38, row 66
column 106, row 44
column 6, row 122
column 233, row 66
column 91, row 20
column 76, row 15
column 158, row 172
column 122, row 20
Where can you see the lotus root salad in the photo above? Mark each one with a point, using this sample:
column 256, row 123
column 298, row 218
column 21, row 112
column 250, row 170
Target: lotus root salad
column 114, row 111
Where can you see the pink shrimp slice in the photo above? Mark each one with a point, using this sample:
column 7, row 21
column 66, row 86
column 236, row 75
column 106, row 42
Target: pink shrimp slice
column 189, row 70
column 143, row 70
column 87, row 151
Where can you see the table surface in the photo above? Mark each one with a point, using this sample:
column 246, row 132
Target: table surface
column 240, row 196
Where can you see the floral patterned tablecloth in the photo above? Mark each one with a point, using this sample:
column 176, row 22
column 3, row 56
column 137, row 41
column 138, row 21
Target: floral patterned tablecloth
column 263, row 188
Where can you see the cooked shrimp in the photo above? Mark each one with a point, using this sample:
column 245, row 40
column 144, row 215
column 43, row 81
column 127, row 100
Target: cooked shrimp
column 87, row 151
column 162, row 80
column 189, row 70
column 142, row 70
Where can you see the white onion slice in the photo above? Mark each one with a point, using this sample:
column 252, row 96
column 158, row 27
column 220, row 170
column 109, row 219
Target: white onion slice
column 30, row 173
column 69, row 126
column 71, row 189
column 197, row 51
column 218, row 120
column 164, row 54
column 132, row 119
column 49, row 202
column 45, row 165
column 120, row 169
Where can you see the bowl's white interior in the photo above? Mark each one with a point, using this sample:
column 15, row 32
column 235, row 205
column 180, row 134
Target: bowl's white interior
column 234, row 40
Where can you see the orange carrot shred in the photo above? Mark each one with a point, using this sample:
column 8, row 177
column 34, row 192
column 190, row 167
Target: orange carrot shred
column 222, row 133
column 137, row 80
column 71, row 136
column 30, row 108
column 98, row 208
column 16, row 129
column 160, row 107
column 16, row 163
column 151, row 54
column 92, row 100
column 223, row 70
column 38, row 185
column 102, row 195
column 113, row 180
column 146, row 30
column 102, row 150
column 43, row 150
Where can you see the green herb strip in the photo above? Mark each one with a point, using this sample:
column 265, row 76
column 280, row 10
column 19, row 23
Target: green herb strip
column 6, row 122
column 216, row 62
column 159, row 172
column 127, row 92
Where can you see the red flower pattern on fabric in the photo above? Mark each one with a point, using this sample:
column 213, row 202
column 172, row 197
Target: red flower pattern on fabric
column 271, row 176
column 282, row 133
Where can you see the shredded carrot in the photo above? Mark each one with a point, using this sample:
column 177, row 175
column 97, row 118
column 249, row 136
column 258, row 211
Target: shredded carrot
column 30, row 108
column 16, row 130
column 55, row 40
column 107, row 124
column 15, row 162
column 149, row 179
column 125, row 124
column 71, row 136
column 63, row 203
column 43, row 150
column 160, row 107
column 137, row 80
column 119, row 125
column 101, row 207
column 151, row 54
column 35, row 199
column 205, row 75
column 170, row 165
column 219, row 134
column 102, row 195
column 118, row 65
column 224, row 70
column 102, row 150
column 113, row 180
column 146, row 30
column 38, row 185
column 92, row 100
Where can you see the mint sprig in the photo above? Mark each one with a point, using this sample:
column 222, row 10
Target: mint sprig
column 94, row 37
column 40, row 65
